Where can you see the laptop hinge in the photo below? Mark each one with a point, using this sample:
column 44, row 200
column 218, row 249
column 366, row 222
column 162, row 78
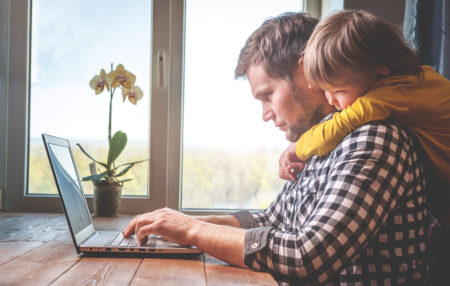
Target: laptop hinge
column 84, row 234
column 90, row 238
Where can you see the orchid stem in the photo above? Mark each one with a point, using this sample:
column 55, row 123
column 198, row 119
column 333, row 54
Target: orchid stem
column 110, row 111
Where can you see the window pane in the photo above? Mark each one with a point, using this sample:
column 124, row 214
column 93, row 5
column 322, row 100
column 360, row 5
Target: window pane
column 72, row 40
column 230, row 156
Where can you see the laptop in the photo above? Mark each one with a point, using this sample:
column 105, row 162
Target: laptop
column 85, row 238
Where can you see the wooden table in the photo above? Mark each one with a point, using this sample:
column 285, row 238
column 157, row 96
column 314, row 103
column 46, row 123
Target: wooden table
column 36, row 249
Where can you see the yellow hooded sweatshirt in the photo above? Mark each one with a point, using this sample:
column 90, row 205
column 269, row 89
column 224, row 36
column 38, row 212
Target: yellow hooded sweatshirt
column 420, row 103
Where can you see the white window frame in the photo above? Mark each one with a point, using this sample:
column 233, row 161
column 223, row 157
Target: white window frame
column 165, row 113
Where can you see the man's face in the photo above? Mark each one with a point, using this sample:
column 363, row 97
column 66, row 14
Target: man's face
column 293, row 107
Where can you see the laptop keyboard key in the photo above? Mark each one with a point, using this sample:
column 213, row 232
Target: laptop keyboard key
column 117, row 240
column 133, row 243
column 109, row 242
column 126, row 242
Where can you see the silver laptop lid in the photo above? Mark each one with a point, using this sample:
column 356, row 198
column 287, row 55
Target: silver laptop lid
column 69, row 187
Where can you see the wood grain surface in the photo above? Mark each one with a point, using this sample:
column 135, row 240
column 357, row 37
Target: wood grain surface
column 36, row 249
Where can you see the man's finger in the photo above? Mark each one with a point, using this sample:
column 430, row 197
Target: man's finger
column 129, row 229
column 142, row 221
column 142, row 235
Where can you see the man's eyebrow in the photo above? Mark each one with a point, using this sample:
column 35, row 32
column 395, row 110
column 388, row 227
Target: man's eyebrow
column 260, row 92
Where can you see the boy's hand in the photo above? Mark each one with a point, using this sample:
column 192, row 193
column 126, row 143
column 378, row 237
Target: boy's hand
column 289, row 164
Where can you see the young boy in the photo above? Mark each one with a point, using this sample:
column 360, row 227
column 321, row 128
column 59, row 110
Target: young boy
column 369, row 73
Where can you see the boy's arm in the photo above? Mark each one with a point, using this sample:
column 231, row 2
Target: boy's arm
column 324, row 137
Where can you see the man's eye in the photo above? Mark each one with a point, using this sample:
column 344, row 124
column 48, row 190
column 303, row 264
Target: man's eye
column 267, row 96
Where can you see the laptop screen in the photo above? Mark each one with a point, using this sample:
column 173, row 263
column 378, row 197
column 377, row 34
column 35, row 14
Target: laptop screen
column 69, row 186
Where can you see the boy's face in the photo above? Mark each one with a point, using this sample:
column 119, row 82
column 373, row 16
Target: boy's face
column 344, row 94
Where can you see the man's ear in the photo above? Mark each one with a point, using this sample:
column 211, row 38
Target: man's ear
column 382, row 72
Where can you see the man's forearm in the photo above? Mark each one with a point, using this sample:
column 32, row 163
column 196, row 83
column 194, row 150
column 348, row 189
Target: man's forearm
column 221, row 220
column 221, row 241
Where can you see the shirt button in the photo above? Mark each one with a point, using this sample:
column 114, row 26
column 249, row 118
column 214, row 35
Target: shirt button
column 254, row 245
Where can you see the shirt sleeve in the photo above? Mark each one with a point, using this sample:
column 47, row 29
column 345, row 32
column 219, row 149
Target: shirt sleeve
column 365, row 181
column 375, row 105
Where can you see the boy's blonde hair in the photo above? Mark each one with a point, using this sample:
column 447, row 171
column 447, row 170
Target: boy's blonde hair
column 352, row 43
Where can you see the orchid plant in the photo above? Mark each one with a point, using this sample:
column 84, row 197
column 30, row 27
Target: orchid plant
column 123, row 79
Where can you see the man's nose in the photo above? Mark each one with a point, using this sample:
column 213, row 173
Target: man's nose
column 267, row 114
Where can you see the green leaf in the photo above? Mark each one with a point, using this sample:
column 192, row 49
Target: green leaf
column 128, row 167
column 90, row 157
column 124, row 170
column 96, row 177
column 135, row 162
column 116, row 146
column 126, row 180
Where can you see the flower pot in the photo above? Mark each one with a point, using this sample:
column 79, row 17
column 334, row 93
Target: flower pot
column 107, row 199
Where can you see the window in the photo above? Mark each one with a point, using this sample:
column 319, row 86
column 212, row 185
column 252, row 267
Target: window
column 71, row 41
column 25, row 77
column 181, row 88
column 230, row 156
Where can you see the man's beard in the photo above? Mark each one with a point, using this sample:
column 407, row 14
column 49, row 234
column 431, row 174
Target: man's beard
column 311, row 116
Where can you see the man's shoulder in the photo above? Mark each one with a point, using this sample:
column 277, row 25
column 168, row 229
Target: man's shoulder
column 377, row 128
column 383, row 151
column 383, row 135
column 383, row 128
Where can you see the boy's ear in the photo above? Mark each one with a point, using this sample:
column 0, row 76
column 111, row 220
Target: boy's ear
column 382, row 72
column 300, row 64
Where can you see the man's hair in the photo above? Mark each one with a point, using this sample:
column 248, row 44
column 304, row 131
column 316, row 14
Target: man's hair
column 352, row 43
column 277, row 44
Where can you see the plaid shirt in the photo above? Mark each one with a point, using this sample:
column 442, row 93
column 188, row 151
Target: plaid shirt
column 355, row 217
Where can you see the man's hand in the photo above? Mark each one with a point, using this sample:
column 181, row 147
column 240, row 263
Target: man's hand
column 289, row 164
column 170, row 224
column 224, row 242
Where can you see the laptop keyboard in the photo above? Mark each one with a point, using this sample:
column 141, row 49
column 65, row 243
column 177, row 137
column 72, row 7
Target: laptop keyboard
column 120, row 241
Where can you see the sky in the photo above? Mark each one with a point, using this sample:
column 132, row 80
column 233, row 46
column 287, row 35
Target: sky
column 73, row 39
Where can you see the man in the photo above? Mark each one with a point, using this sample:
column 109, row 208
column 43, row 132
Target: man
column 355, row 216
